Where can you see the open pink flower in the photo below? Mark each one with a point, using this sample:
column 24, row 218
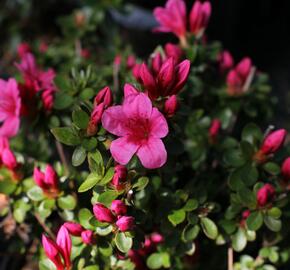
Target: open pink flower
column 9, row 108
column 140, row 128
column 172, row 18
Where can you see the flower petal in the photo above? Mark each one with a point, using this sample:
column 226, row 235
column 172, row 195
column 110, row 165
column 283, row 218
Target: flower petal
column 152, row 154
column 10, row 127
column 159, row 127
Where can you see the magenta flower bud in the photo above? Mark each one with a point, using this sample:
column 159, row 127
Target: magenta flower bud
column 156, row 238
column 171, row 106
column 74, row 228
column 23, row 48
column 85, row 53
column 64, row 244
column 273, row 142
column 136, row 72
column 9, row 159
column 156, row 63
column 246, row 214
column 285, row 169
column 244, row 68
column 48, row 99
column 95, row 119
column 88, row 237
column 182, row 73
column 166, row 74
column 119, row 207
column 174, row 51
column 103, row 214
column 265, row 195
column 125, row 223
column 199, row 17
column 148, row 80
column 52, row 252
column 214, row 129
column 119, row 177
column 226, row 61
column 131, row 62
column 51, row 178
column 38, row 177
column 104, row 96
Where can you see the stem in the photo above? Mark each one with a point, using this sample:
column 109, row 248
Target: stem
column 230, row 258
column 62, row 157
column 45, row 228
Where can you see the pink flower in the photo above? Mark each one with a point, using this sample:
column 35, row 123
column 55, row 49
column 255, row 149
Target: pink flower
column 119, row 178
column 273, row 142
column 74, row 228
column 23, row 48
column 199, row 17
column 226, row 61
column 88, row 237
column 214, row 129
column 125, row 223
column 172, row 18
column 265, row 195
column 171, row 106
column 172, row 50
column 285, row 170
column 103, row 214
column 48, row 180
column 140, row 128
column 10, row 104
column 238, row 76
column 119, row 207
column 104, row 96
column 95, row 119
column 59, row 252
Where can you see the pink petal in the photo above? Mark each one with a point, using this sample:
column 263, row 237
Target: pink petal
column 152, row 154
column 159, row 127
column 122, row 150
column 166, row 74
column 182, row 72
column 10, row 127
column 244, row 67
column 129, row 90
column 114, row 120
column 64, row 243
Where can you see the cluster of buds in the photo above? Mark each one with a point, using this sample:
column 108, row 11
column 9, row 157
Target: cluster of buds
column 265, row 195
column 173, row 18
column 103, row 100
column 150, row 245
column 214, row 130
column 47, row 181
column 77, row 230
column 59, row 251
column 238, row 77
column 271, row 144
column 115, row 215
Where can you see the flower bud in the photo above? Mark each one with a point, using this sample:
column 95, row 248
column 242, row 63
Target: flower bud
column 273, row 142
column 265, row 195
column 38, row 177
column 246, row 214
column 119, row 177
column 74, row 228
column 52, row 251
column 172, row 50
column 226, row 61
column 80, row 18
column 8, row 159
column 88, row 237
column 214, row 129
column 117, row 60
column 104, row 96
column 119, row 207
column 156, row 238
column 131, row 61
column 103, row 214
column 85, row 53
column 64, row 244
column 285, row 170
column 51, row 178
column 95, row 119
column 125, row 223
column 47, row 97
column 171, row 106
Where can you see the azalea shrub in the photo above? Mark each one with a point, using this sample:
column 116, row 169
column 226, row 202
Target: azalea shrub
column 110, row 161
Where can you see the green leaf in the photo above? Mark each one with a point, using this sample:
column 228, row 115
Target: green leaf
column 108, row 177
column 7, row 186
column 79, row 156
column 234, row 158
column 67, row 202
column 89, row 143
column 84, row 216
column 209, row 228
column 177, row 217
column 66, row 135
column 158, row 260
column 92, row 267
column 273, row 224
column 255, row 221
column 96, row 162
column 35, row 194
column 123, row 242
column 272, row 168
column 252, row 133
column 90, row 182
column 190, row 233
column 141, row 183
column 46, row 264
column 274, row 212
column 80, row 118
column 239, row 240
column 247, row 197
column 107, row 197
column 19, row 214
column 190, row 205
column 62, row 100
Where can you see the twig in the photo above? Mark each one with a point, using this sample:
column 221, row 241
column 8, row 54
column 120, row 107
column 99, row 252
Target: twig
column 62, row 157
column 42, row 224
column 230, row 258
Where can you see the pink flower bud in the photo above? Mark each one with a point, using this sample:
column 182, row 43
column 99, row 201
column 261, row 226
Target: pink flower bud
column 38, row 177
column 64, row 244
column 285, row 170
column 131, row 61
column 117, row 60
column 47, row 97
column 119, row 207
column 156, row 238
column 265, row 195
column 125, row 223
column 273, row 142
column 8, row 159
column 226, row 61
column 171, row 106
column 156, row 63
column 136, row 72
column 51, row 178
column 234, row 83
column 214, row 129
column 246, row 214
column 119, row 177
column 85, row 53
column 166, row 73
column 95, row 119
column 182, row 72
column 52, row 252
column 104, row 96
column 174, row 51
column 23, row 48
column 74, row 228
column 103, row 214
column 244, row 67
column 88, row 237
